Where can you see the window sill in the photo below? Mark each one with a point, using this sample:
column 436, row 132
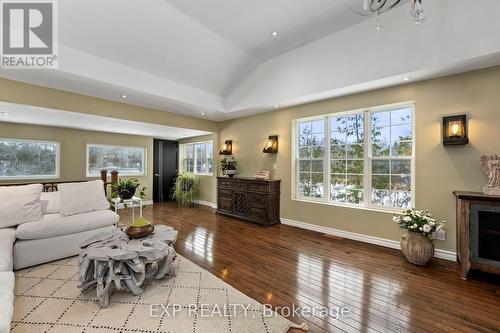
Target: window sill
column 371, row 209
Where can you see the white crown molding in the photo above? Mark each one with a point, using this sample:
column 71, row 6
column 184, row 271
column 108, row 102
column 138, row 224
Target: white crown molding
column 441, row 254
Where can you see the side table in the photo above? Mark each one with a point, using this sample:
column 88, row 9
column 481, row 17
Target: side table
column 133, row 202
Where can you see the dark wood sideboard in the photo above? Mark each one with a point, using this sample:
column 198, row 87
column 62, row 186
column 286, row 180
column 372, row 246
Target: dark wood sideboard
column 478, row 232
column 249, row 199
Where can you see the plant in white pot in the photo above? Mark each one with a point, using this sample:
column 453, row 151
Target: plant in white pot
column 228, row 166
column 416, row 242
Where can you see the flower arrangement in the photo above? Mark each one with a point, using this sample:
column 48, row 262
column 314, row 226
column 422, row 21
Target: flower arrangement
column 418, row 221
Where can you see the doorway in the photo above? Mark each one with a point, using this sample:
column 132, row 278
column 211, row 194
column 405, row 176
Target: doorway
column 165, row 168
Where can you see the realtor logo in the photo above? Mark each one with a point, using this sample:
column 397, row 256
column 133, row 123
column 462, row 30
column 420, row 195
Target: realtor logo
column 29, row 34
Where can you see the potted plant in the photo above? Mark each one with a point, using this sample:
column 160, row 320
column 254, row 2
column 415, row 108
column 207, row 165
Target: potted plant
column 416, row 242
column 125, row 188
column 186, row 189
column 228, row 166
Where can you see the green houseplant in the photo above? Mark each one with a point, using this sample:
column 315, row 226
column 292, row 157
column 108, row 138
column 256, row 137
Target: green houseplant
column 186, row 189
column 416, row 242
column 125, row 188
column 228, row 166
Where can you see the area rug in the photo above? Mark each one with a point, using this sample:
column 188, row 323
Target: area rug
column 47, row 300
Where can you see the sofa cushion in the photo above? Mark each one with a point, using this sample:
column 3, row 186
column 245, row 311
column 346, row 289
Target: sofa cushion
column 6, row 300
column 20, row 204
column 7, row 239
column 50, row 202
column 82, row 197
column 53, row 225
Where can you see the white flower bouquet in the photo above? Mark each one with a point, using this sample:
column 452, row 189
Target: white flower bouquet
column 418, row 221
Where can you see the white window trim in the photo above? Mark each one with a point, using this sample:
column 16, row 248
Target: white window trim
column 58, row 161
column 181, row 157
column 138, row 174
column 367, row 205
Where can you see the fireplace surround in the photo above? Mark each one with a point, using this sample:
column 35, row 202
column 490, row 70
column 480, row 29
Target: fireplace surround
column 478, row 227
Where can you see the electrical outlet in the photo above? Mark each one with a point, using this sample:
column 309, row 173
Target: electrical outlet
column 440, row 235
column 275, row 166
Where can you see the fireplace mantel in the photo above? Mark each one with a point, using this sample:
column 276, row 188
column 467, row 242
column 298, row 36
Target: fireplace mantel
column 478, row 232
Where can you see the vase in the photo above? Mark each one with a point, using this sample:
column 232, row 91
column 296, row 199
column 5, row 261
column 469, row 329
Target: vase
column 231, row 173
column 127, row 193
column 139, row 229
column 417, row 248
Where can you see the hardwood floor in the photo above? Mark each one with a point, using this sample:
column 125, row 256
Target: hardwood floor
column 285, row 266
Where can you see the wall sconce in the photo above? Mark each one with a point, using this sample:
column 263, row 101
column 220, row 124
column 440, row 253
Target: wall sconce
column 271, row 145
column 455, row 130
column 227, row 148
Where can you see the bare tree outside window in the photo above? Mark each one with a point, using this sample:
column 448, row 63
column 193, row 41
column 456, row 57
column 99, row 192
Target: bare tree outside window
column 126, row 160
column 339, row 163
column 28, row 159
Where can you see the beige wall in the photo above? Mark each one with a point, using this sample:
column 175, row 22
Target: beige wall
column 73, row 148
column 439, row 170
column 207, row 183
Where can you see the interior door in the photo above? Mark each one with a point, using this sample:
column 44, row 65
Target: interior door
column 165, row 168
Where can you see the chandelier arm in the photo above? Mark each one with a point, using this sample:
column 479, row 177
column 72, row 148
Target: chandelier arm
column 380, row 3
column 397, row 3
column 357, row 12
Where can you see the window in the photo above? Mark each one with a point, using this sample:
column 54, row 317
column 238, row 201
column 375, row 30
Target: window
column 365, row 160
column 128, row 161
column 28, row 159
column 197, row 157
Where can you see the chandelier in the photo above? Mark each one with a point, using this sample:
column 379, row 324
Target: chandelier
column 377, row 7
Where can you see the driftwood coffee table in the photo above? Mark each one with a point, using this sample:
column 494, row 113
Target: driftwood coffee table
column 112, row 261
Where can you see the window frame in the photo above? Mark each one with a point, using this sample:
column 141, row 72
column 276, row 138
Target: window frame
column 367, row 159
column 144, row 160
column 58, row 160
column 195, row 157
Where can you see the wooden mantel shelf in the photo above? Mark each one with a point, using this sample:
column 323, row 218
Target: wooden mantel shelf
column 476, row 196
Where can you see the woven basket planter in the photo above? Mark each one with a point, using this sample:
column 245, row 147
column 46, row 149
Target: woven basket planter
column 417, row 248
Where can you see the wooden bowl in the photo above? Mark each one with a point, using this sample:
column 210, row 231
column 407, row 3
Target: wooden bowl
column 139, row 232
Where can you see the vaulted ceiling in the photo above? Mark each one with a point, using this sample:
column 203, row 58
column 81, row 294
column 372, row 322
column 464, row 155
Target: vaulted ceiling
column 219, row 57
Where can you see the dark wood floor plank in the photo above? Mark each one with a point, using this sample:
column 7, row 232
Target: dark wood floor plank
column 285, row 266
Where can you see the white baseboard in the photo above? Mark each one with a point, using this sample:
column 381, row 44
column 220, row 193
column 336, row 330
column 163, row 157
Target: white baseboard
column 441, row 254
column 206, row 203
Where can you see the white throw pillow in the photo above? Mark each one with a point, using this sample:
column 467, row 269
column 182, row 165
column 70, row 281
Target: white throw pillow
column 51, row 202
column 20, row 204
column 82, row 197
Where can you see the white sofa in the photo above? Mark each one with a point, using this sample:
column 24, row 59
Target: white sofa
column 66, row 218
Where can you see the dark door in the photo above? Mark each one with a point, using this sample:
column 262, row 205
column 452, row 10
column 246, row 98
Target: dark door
column 165, row 164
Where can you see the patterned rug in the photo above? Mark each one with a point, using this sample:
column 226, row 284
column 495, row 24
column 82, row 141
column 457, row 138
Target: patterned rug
column 48, row 300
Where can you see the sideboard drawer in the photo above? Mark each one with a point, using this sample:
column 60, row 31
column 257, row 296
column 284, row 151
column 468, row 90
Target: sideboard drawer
column 225, row 194
column 256, row 199
column 258, row 187
column 225, row 183
column 240, row 186
column 257, row 214
column 225, row 205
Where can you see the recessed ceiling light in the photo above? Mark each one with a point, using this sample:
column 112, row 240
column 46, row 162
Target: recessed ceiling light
column 276, row 106
column 274, row 33
column 124, row 96
column 408, row 78
column 203, row 113
column 5, row 113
